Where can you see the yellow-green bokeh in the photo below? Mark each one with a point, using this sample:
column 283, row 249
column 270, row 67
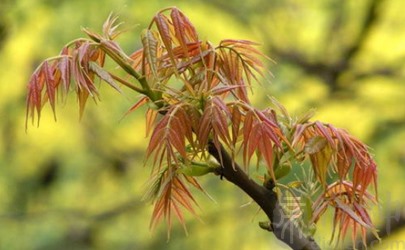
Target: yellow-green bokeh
column 96, row 165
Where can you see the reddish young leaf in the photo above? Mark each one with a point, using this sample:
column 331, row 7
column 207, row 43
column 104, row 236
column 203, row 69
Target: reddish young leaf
column 137, row 59
column 142, row 101
column 214, row 124
column 171, row 195
column 151, row 116
column 240, row 62
column 164, row 28
column 349, row 209
column 329, row 146
column 34, row 103
column 260, row 133
column 47, row 72
column 229, row 66
column 322, row 130
column 65, row 73
column 82, row 96
column 179, row 30
column 266, row 150
column 184, row 29
column 236, row 118
column 80, row 72
column 169, row 137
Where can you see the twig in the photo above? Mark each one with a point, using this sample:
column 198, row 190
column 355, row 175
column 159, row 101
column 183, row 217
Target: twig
column 282, row 227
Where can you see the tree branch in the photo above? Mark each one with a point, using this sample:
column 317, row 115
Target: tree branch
column 282, row 227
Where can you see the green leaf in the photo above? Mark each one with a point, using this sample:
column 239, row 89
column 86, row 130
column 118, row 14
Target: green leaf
column 320, row 162
column 150, row 44
column 315, row 144
column 282, row 170
column 196, row 170
column 308, row 213
column 103, row 74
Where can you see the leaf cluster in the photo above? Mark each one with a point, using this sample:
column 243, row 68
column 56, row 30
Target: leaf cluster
column 333, row 151
column 196, row 93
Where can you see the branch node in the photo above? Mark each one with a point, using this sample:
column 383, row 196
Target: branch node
column 266, row 225
column 269, row 184
column 219, row 171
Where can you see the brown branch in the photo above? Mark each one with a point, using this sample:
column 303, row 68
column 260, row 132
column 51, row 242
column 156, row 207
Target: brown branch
column 282, row 227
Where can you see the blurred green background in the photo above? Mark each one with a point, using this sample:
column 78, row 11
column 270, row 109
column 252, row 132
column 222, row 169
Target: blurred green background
column 79, row 184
